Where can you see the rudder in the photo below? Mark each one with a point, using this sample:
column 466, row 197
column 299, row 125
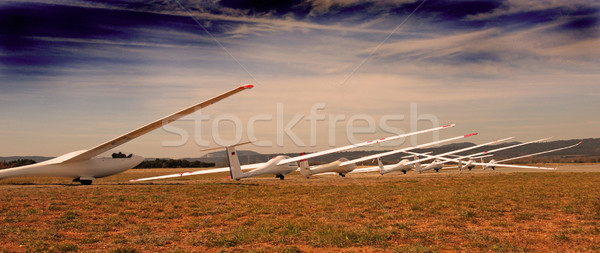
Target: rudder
column 304, row 167
column 380, row 164
column 235, row 170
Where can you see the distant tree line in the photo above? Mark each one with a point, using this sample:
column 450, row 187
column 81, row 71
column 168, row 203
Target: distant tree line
column 15, row 163
column 170, row 163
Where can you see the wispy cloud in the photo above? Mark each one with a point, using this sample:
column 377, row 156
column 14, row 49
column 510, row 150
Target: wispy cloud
column 98, row 65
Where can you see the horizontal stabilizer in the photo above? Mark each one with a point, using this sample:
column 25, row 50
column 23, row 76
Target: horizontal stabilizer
column 220, row 148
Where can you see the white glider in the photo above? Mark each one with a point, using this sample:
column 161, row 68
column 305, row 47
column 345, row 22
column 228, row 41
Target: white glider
column 279, row 165
column 493, row 163
column 344, row 166
column 84, row 167
column 435, row 165
column 470, row 164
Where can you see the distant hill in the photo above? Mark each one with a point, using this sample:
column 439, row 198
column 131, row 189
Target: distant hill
column 220, row 157
column 588, row 151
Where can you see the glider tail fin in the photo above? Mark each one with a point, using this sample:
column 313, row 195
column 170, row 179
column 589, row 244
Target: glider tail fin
column 235, row 170
column 483, row 165
column 304, row 169
column 418, row 167
column 380, row 164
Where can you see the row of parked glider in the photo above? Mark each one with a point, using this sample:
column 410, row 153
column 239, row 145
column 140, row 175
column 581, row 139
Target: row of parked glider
column 280, row 166
column 84, row 166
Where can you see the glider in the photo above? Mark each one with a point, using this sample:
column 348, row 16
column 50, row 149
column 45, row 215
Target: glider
column 436, row 164
column 405, row 165
column 472, row 158
column 344, row 166
column 493, row 163
column 83, row 165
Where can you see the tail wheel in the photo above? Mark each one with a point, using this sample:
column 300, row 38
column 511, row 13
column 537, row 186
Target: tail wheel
column 342, row 174
column 280, row 177
column 86, row 182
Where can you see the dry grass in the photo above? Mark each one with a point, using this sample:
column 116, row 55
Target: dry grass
column 398, row 213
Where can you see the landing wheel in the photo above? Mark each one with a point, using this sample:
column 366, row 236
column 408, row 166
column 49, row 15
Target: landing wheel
column 86, row 182
column 493, row 168
column 404, row 171
column 437, row 170
column 280, row 177
column 469, row 169
column 342, row 174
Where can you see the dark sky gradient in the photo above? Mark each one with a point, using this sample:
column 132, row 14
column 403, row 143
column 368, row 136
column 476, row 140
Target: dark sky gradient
column 529, row 63
column 133, row 23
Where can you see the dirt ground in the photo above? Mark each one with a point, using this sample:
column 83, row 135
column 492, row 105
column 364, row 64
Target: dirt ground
column 501, row 210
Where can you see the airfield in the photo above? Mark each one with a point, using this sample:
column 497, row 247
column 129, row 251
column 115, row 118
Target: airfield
column 501, row 210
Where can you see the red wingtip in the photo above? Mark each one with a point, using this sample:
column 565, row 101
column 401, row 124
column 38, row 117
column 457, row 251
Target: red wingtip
column 470, row 134
column 446, row 126
column 579, row 142
column 247, row 86
column 228, row 177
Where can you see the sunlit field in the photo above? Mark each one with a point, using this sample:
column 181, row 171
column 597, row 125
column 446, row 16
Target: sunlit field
column 446, row 211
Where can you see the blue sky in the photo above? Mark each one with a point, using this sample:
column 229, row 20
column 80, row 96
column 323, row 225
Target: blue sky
column 78, row 73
